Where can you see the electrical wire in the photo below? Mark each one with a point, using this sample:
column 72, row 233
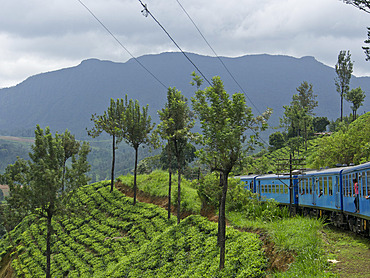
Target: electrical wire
column 116, row 39
column 145, row 11
column 219, row 58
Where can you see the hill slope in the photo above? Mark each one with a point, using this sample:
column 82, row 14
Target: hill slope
column 66, row 98
column 116, row 239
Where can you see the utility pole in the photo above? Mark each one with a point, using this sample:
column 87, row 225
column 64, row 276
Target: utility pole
column 292, row 164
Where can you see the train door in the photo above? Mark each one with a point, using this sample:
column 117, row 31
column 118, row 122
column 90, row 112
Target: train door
column 314, row 191
column 336, row 190
column 295, row 190
column 259, row 189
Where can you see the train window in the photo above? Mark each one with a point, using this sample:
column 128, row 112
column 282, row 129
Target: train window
column 330, row 184
column 310, row 185
column 318, row 184
column 345, row 186
column 325, row 185
column 306, row 185
column 363, row 183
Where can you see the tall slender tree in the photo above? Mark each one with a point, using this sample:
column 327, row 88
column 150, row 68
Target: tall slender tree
column 136, row 127
column 111, row 122
column 224, row 121
column 36, row 185
column 70, row 147
column 356, row 97
column 344, row 69
column 176, row 123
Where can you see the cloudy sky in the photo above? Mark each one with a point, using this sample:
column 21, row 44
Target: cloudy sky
column 44, row 35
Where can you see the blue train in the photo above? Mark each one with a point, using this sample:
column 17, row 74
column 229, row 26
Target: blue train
column 321, row 193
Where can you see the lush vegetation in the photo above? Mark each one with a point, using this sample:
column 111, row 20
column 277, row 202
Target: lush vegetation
column 113, row 237
column 349, row 145
column 156, row 184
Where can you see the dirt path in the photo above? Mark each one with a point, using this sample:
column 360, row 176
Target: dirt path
column 351, row 253
column 278, row 261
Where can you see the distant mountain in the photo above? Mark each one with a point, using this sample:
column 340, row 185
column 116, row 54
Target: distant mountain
column 66, row 98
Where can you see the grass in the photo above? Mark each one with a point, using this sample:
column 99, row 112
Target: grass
column 299, row 236
column 350, row 252
column 156, row 184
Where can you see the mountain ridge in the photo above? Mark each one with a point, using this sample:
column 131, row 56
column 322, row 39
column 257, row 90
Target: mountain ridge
column 66, row 98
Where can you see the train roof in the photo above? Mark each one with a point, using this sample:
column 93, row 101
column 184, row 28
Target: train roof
column 246, row 177
column 360, row 167
column 326, row 171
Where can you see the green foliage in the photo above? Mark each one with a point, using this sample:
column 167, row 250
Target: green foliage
column 110, row 122
column 9, row 151
column 340, row 124
column 265, row 161
column 320, row 123
column 351, row 146
column 298, row 117
column 306, row 97
column 301, row 235
column 116, row 239
column 356, row 97
column 176, row 123
column 343, row 69
column 276, row 141
column 39, row 185
column 156, row 183
column 85, row 245
column 238, row 199
column 224, row 120
column 190, row 250
column 135, row 124
column 149, row 164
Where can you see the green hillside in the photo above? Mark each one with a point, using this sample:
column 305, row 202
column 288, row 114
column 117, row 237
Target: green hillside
column 112, row 238
column 348, row 145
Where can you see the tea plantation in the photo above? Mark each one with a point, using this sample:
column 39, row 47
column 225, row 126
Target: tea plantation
column 112, row 238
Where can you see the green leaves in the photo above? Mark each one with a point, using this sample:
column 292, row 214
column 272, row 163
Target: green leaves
column 136, row 123
column 345, row 147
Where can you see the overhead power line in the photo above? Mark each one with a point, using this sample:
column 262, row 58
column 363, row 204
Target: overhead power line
column 118, row 41
column 146, row 12
column 219, row 58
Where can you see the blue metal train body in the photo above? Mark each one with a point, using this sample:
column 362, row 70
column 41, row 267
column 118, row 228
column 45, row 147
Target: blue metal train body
column 326, row 192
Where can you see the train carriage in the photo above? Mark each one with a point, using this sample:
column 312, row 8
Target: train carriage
column 362, row 174
column 249, row 182
column 274, row 186
column 325, row 192
column 320, row 189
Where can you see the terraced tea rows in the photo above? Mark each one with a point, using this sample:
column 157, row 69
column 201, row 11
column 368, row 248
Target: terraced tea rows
column 109, row 228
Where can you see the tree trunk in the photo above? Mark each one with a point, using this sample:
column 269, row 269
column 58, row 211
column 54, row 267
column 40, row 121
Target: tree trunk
column 169, row 181
column 48, row 244
column 341, row 106
column 178, row 190
column 64, row 172
column 222, row 219
column 113, row 160
column 219, row 211
column 135, row 173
